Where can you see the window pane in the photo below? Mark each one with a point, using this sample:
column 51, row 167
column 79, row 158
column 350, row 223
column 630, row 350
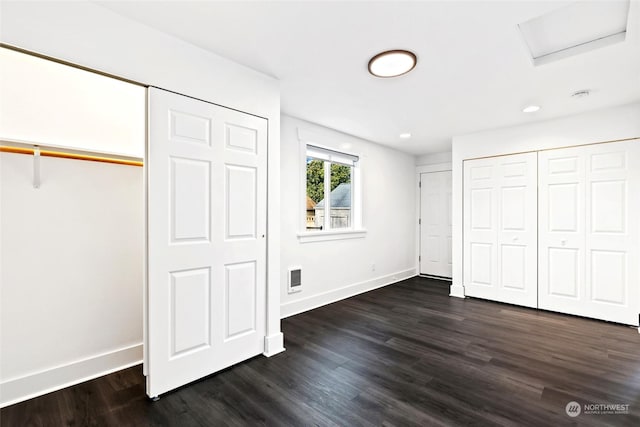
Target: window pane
column 341, row 199
column 315, row 194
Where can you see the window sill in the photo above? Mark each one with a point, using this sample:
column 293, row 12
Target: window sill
column 322, row 236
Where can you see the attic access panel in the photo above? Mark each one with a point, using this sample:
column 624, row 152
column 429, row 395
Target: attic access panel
column 574, row 29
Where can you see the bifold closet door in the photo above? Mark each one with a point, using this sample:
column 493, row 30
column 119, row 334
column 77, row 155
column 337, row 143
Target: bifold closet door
column 435, row 224
column 589, row 217
column 206, row 217
column 500, row 229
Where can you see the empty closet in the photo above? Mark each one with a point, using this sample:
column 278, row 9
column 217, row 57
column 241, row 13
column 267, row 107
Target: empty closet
column 556, row 229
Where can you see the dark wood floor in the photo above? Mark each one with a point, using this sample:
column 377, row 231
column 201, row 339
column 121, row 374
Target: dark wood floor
column 402, row 355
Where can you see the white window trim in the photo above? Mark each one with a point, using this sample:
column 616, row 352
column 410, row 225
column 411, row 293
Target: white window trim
column 321, row 236
column 356, row 230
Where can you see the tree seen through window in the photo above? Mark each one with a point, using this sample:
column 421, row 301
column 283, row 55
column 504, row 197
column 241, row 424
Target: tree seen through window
column 340, row 186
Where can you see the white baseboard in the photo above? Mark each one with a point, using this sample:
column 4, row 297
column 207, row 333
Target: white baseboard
column 456, row 291
column 273, row 344
column 318, row 300
column 18, row 389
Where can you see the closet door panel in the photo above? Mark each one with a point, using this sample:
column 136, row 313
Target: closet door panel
column 564, row 272
column 589, row 212
column 500, row 229
column 517, row 233
column 561, row 242
column 206, row 217
column 612, row 218
column 480, row 228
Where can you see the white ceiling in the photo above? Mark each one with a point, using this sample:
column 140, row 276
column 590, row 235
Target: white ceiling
column 474, row 71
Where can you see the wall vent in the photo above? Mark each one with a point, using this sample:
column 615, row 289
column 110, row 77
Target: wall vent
column 295, row 280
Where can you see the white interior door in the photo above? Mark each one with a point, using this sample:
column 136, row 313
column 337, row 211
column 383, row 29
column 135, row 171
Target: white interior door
column 500, row 229
column 589, row 236
column 206, row 239
column 435, row 224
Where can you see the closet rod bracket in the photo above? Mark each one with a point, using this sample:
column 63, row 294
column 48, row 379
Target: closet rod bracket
column 36, row 166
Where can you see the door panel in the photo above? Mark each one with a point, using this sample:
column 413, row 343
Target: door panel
column 608, row 281
column 240, row 298
column 512, row 212
column 435, row 227
column 608, row 215
column 190, row 310
column 189, row 199
column 564, row 272
column 500, row 229
column 513, row 266
column 241, row 195
column 563, row 207
column 591, row 194
column 206, row 221
column 481, row 209
column 482, row 263
column 561, row 233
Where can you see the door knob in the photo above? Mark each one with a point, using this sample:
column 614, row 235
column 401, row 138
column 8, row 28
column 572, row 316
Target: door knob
column 563, row 242
column 515, row 239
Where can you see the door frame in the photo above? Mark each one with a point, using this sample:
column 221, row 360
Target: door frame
column 437, row 167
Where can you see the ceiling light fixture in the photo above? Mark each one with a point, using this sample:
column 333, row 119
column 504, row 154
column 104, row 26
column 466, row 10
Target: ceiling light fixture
column 392, row 63
column 405, row 135
column 530, row 109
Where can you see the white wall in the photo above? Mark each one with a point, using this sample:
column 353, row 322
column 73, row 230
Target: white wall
column 434, row 158
column 89, row 35
column 333, row 270
column 597, row 126
column 71, row 271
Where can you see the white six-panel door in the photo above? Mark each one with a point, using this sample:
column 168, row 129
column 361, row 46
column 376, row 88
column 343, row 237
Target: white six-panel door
column 500, row 241
column 589, row 214
column 206, row 239
column 435, row 224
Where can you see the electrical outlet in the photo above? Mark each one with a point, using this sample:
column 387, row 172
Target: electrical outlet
column 373, row 267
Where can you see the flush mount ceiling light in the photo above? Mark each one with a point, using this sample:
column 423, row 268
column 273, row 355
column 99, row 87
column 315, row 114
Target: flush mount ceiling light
column 392, row 63
column 405, row 135
column 530, row 109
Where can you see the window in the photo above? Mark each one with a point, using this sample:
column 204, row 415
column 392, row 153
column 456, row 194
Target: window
column 329, row 189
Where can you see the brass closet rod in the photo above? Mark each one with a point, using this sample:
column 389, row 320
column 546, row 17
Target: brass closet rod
column 70, row 155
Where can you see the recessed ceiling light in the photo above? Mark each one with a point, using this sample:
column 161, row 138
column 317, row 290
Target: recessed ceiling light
column 405, row 135
column 392, row 63
column 530, row 109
